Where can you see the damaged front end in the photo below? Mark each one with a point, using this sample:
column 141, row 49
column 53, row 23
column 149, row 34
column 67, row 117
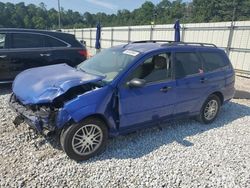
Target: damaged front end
column 47, row 117
column 40, row 117
column 39, row 95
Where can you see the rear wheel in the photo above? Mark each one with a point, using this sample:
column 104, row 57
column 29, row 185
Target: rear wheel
column 210, row 109
column 84, row 140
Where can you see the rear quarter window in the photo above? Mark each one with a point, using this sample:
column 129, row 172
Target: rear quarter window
column 213, row 61
column 52, row 42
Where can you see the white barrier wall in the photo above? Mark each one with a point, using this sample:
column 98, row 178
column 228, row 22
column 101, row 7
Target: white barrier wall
column 234, row 38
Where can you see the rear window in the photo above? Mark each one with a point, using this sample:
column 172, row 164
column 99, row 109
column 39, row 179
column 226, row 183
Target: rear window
column 2, row 40
column 52, row 42
column 26, row 40
column 187, row 63
column 213, row 61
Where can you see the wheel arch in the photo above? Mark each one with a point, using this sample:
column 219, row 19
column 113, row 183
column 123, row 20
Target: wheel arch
column 220, row 95
column 100, row 117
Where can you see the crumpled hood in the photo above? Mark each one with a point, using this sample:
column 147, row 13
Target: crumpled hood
column 43, row 84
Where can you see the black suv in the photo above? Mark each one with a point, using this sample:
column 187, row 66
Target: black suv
column 21, row 49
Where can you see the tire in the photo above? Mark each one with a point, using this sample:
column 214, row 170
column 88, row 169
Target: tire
column 210, row 109
column 84, row 140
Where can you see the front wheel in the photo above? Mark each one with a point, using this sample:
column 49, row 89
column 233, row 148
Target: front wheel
column 210, row 109
column 84, row 140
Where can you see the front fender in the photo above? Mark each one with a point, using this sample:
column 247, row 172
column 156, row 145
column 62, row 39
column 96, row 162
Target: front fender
column 64, row 117
column 91, row 103
column 83, row 112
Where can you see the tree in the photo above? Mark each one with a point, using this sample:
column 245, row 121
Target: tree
column 144, row 15
column 165, row 12
column 220, row 10
column 89, row 19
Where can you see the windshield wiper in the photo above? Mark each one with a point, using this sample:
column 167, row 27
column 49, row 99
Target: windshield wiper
column 79, row 68
column 91, row 72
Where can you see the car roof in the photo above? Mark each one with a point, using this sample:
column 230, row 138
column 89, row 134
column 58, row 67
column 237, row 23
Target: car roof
column 147, row 46
column 67, row 37
column 53, row 33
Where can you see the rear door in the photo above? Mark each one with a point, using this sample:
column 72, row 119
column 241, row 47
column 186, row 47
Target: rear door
column 27, row 50
column 190, row 82
column 59, row 50
column 4, row 58
column 63, row 52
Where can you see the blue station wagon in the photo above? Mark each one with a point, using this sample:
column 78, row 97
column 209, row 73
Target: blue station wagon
column 123, row 89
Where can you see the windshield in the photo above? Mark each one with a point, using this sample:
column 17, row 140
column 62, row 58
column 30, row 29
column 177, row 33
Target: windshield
column 108, row 63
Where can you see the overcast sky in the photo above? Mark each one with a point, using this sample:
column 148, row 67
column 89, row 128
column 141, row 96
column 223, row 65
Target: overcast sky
column 92, row 6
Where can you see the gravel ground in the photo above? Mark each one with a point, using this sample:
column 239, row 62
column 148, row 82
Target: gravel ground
column 179, row 154
column 242, row 84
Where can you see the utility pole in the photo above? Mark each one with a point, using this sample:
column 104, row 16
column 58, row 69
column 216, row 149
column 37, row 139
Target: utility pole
column 234, row 10
column 231, row 31
column 155, row 16
column 59, row 15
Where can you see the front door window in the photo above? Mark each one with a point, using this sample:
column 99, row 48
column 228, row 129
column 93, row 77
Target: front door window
column 154, row 69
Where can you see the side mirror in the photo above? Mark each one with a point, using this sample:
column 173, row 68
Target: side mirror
column 136, row 82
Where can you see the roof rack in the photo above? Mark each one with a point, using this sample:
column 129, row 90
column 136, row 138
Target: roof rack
column 153, row 41
column 169, row 42
column 195, row 43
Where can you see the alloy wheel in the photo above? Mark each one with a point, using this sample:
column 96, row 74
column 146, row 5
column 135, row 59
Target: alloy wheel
column 211, row 110
column 87, row 139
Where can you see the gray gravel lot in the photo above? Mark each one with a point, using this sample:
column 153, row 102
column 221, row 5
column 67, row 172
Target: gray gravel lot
column 242, row 84
column 181, row 154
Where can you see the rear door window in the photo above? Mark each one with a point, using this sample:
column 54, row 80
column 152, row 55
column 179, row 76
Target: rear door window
column 53, row 42
column 27, row 40
column 212, row 61
column 2, row 40
column 187, row 63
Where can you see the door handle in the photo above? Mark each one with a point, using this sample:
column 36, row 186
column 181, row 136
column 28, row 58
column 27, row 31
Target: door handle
column 47, row 55
column 3, row 56
column 165, row 89
column 203, row 80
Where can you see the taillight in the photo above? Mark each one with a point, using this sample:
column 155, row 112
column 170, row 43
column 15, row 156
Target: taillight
column 83, row 53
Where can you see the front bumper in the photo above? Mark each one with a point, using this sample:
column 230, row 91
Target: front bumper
column 40, row 121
